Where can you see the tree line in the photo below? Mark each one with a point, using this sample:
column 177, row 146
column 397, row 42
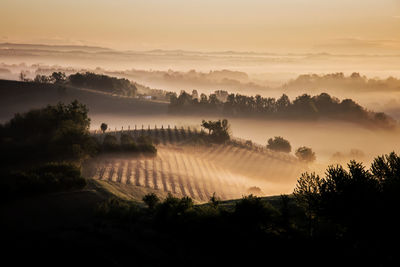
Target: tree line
column 90, row 80
column 304, row 107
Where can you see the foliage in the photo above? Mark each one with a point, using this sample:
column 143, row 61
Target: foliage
column 279, row 144
column 151, row 200
column 110, row 143
column 354, row 201
column 305, row 154
column 54, row 132
column 45, row 178
column 103, row 83
column 305, row 107
column 117, row 209
column 217, row 130
column 127, row 143
column 104, row 127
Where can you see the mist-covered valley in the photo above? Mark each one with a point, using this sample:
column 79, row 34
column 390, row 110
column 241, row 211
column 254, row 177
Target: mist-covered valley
column 200, row 133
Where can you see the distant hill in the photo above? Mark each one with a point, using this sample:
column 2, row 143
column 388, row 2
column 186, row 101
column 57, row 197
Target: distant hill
column 54, row 47
column 18, row 96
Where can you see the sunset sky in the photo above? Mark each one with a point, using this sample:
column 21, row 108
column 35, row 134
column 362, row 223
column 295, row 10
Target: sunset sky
column 340, row 26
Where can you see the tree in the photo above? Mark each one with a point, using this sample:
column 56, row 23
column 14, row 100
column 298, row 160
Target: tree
column 103, row 127
column 58, row 77
column 307, row 194
column 279, row 144
column 214, row 201
column 151, row 200
column 59, row 131
column 41, row 79
column 217, row 130
column 22, row 76
column 305, row 154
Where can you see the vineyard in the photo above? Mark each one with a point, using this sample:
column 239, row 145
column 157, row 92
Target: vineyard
column 185, row 168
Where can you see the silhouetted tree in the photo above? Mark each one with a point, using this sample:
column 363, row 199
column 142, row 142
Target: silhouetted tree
column 58, row 77
column 307, row 194
column 280, row 144
column 214, row 201
column 103, row 127
column 305, row 154
column 218, row 130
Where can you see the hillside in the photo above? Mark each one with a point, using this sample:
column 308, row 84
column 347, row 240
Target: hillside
column 18, row 96
column 185, row 168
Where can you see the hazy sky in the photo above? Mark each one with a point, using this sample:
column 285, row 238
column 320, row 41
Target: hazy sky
column 346, row 26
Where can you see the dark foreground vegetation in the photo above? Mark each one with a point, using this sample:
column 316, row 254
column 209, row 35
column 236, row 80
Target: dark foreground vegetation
column 304, row 107
column 43, row 150
column 348, row 217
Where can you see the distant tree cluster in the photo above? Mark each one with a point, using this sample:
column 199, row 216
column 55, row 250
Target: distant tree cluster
column 304, row 107
column 278, row 143
column 339, row 81
column 103, row 83
column 55, row 77
column 90, row 80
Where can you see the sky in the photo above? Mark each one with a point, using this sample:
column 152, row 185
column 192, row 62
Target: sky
column 287, row 26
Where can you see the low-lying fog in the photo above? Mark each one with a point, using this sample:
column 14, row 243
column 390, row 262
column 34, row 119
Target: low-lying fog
column 325, row 138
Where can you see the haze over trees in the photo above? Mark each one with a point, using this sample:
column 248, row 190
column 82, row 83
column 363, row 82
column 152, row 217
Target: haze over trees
column 305, row 154
column 338, row 81
column 304, row 107
column 103, row 82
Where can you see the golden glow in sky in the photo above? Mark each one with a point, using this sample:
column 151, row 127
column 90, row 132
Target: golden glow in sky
column 357, row 26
